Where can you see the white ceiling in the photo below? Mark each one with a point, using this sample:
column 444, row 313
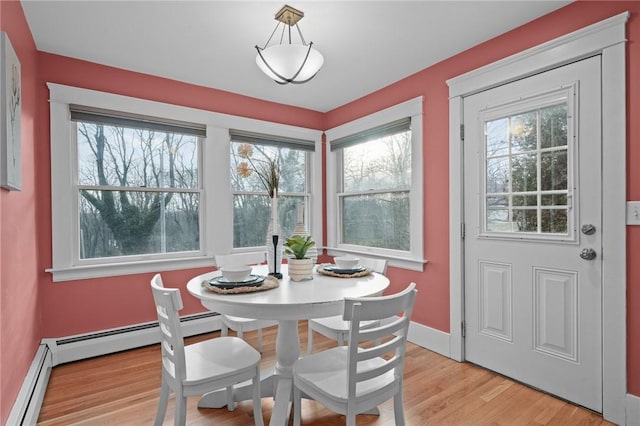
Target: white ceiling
column 367, row 45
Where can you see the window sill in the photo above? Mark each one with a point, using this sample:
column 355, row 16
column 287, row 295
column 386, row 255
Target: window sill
column 395, row 261
column 116, row 269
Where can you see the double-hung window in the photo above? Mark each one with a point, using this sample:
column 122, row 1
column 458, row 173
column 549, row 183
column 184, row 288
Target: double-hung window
column 250, row 153
column 139, row 186
column 127, row 185
column 375, row 185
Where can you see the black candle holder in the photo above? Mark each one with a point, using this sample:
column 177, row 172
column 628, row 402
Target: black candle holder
column 275, row 274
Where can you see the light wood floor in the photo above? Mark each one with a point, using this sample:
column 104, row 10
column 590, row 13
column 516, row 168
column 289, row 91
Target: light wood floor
column 122, row 389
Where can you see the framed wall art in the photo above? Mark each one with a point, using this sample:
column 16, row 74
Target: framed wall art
column 10, row 112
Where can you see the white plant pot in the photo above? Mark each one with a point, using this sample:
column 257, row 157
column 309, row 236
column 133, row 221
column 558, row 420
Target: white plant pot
column 300, row 269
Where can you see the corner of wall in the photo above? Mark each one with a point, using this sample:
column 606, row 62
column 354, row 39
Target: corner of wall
column 633, row 410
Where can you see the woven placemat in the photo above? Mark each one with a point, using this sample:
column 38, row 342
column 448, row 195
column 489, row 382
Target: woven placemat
column 268, row 284
column 321, row 270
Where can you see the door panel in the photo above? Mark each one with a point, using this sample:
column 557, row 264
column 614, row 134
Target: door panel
column 496, row 304
column 532, row 179
column 555, row 316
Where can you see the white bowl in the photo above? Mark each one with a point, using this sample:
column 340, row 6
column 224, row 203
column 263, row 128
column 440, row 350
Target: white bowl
column 346, row 262
column 237, row 273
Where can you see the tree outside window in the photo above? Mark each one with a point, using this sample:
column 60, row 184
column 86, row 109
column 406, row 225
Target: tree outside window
column 139, row 191
column 375, row 201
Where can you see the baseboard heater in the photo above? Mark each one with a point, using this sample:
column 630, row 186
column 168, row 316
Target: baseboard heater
column 73, row 348
column 26, row 409
column 52, row 352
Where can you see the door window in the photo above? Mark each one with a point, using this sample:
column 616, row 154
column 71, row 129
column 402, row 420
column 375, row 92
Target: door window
column 527, row 180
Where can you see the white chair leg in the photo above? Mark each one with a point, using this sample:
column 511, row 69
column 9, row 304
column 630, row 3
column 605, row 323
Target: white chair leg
column 257, row 406
column 162, row 404
column 340, row 339
column 297, row 409
column 224, row 330
column 241, row 334
column 260, row 340
column 351, row 418
column 231, row 404
column 309, row 338
column 398, row 409
column 180, row 417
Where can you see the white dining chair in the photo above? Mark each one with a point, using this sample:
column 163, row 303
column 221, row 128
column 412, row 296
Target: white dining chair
column 335, row 327
column 201, row 367
column 358, row 377
column 239, row 324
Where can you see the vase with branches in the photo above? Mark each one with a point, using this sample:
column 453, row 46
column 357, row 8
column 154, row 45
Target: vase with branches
column 268, row 172
column 266, row 169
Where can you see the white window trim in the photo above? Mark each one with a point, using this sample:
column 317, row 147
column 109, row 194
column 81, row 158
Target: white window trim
column 216, row 202
column 414, row 260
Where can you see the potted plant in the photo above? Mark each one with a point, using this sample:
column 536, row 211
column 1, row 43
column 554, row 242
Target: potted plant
column 300, row 266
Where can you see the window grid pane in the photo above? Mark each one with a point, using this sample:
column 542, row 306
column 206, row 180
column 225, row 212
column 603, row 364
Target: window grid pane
column 526, row 172
column 120, row 156
column 380, row 164
column 377, row 220
column 127, row 223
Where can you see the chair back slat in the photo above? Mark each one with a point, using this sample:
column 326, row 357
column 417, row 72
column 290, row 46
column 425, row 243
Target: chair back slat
column 392, row 327
column 385, row 347
column 366, row 348
column 168, row 304
column 391, row 364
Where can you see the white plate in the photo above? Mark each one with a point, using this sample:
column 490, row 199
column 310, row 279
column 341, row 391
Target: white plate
column 222, row 282
column 337, row 270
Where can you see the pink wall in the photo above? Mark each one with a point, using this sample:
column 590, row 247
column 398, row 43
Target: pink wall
column 27, row 293
column 432, row 305
column 20, row 311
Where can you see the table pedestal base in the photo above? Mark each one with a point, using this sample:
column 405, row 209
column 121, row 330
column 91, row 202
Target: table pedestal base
column 278, row 384
column 241, row 392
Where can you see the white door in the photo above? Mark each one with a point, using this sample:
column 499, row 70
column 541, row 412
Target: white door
column 532, row 185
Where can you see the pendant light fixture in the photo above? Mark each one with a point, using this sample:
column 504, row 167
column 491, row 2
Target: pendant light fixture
column 289, row 62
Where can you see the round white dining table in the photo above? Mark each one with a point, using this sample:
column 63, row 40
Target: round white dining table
column 322, row 296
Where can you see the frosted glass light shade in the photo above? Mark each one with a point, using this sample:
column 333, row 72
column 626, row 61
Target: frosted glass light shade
column 286, row 60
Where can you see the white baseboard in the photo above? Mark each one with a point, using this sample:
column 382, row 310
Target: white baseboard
column 429, row 338
column 26, row 409
column 633, row 410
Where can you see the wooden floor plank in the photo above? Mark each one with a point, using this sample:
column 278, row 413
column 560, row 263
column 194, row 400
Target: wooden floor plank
column 122, row 389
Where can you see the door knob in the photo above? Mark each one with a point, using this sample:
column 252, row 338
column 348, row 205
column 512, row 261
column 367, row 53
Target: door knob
column 588, row 229
column 588, row 254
